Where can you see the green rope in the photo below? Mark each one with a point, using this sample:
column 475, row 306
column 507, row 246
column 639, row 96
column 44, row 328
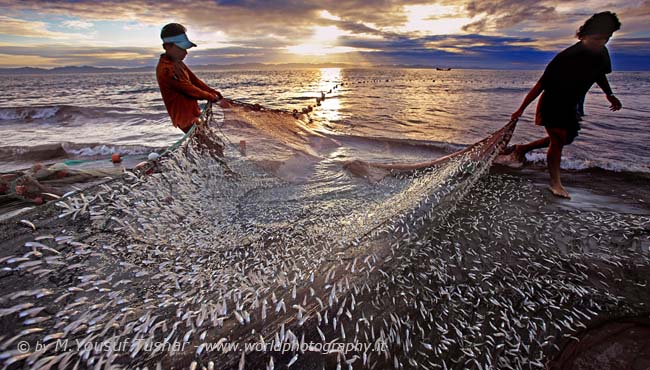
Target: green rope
column 206, row 110
column 74, row 162
column 179, row 141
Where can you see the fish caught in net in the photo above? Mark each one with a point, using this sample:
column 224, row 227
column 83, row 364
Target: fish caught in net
column 255, row 234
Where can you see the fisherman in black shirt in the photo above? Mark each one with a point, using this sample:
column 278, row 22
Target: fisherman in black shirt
column 565, row 81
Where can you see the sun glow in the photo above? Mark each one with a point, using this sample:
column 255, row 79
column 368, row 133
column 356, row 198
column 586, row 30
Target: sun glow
column 434, row 19
column 322, row 42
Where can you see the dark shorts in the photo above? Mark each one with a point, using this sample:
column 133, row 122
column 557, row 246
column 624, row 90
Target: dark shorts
column 571, row 127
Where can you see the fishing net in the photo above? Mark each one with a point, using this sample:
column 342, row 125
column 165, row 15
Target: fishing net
column 255, row 231
column 41, row 183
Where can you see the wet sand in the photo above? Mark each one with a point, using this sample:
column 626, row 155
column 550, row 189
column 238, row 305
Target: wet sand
column 591, row 190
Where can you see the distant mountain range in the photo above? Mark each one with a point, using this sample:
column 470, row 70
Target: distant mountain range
column 205, row 67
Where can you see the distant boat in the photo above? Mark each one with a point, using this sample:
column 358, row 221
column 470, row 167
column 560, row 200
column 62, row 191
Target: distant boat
column 443, row 69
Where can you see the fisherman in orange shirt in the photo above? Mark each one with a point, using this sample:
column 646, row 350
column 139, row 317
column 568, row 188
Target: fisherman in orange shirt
column 179, row 87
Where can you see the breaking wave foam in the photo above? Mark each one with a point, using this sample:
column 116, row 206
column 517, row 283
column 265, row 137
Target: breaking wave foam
column 580, row 164
column 60, row 150
column 58, row 112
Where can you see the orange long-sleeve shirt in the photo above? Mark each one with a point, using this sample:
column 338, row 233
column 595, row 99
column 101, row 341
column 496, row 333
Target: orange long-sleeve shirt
column 180, row 90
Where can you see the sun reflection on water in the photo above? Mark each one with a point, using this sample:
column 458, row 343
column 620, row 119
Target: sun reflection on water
column 331, row 106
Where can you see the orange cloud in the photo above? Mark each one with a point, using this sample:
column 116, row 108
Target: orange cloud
column 19, row 27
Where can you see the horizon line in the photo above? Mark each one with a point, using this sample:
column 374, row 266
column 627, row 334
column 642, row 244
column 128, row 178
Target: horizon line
column 531, row 67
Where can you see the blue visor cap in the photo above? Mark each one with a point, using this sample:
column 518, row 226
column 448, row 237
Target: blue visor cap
column 180, row 40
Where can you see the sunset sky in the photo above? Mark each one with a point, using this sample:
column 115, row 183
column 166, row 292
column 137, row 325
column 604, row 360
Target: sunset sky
column 505, row 34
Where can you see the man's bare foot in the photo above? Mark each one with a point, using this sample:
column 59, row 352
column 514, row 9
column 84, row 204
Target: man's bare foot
column 519, row 154
column 511, row 157
column 559, row 191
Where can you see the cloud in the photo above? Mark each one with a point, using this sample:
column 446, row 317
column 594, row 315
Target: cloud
column 78, row 24
column 93, row 9
column 229, row 55
column 635, row 19
column 388, row 31
column 631, row 46
column 252, row 17
column 133, row 27
column 295, row 18
column 500, row 14
column 63, row 55
column 23, row 28
column 360, row 28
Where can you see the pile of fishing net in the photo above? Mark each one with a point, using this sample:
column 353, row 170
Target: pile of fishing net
column 42, row 183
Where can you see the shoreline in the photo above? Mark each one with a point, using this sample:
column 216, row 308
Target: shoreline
column 592, row 189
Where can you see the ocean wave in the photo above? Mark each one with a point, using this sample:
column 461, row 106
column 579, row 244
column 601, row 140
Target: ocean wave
column 7, row 114
column 86, row 150
column 67, row 150
column 503, row 89
column 438, row 146
column 57, row 112
column 144, row 90
column 581, row 164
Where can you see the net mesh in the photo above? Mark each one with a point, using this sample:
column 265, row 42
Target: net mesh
column 278, row 243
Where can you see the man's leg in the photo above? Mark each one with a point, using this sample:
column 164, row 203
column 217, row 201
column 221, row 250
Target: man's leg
column 521, row 149
column 557, row 137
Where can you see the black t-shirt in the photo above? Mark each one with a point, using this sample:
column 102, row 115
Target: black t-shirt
column 567, row 78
